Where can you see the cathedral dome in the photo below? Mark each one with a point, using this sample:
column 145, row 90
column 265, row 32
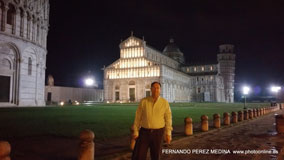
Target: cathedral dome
column 173, row 51
column 171, row 47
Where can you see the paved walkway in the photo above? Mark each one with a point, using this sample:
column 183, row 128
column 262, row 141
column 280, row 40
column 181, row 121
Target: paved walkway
column 257, row 138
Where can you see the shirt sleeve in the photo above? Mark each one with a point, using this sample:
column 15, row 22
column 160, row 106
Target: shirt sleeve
column 137, row 120
column 168, row 120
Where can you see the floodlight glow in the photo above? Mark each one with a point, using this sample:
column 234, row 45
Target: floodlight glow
column 77, row 103
column 275, row 89
column 246, row 90
column 89, row 82
column 61, row 103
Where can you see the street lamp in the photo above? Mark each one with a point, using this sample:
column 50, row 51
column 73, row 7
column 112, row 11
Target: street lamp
column 275, row 89
column 246, row 90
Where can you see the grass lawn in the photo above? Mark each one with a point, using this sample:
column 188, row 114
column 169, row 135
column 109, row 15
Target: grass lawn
column 106, row 120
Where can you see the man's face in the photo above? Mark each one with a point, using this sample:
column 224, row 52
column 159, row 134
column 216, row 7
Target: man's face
column 156, row 89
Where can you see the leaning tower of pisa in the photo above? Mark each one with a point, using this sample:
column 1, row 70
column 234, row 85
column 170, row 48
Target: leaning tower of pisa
column 23, row 33
column 226, row 64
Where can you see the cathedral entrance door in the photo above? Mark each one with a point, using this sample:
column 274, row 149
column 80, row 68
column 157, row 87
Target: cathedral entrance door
column 5, row 88
column 132, row 94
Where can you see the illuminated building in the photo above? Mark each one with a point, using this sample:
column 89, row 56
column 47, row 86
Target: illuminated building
column 128, row 79
column 23, row 33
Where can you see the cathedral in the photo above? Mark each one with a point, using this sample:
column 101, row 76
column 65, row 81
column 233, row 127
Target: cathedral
column 128, row 79
column 23, row 33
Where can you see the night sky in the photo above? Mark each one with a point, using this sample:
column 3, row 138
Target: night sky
column 84, row 35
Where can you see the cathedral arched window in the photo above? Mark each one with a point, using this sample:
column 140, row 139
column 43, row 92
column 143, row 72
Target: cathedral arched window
column 131, row 83
column 6, row 64
column 117, row 87
column 30, row 66
column 10, row 14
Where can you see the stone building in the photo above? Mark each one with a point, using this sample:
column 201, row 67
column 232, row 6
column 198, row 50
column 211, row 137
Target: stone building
column 128, row 79
column 56, row 94
column 23, row 33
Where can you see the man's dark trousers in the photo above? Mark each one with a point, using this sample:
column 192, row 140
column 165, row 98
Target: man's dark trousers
column 148, row 138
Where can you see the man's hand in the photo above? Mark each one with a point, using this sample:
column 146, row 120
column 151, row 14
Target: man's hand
column 134, row 137
column 168, row 139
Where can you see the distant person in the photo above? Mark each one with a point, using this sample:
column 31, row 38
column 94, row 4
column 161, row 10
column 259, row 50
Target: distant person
column 69, row 101
column 153, row 119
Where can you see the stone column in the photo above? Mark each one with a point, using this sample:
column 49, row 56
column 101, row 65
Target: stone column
column 279, row 123
column 188, row 126
column 5, row 150
column 234, row 117
column 132, row 140
column 246, row 115
column 204, row 123
column 250, row 114
column 22, row 27
column 226, row 118
column 33, row 32
column 29, row 19
column 240, row 116
column 216, row 120
column 4, row 17
column 15, row 18
column 87, row 145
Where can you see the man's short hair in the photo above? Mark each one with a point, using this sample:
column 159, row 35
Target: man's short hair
column 152, row 84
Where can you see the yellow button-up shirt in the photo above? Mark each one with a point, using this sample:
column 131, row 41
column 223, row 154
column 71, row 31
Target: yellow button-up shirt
column 153, row 115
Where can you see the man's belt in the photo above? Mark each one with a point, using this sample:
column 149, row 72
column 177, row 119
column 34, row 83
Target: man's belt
column 150, row 130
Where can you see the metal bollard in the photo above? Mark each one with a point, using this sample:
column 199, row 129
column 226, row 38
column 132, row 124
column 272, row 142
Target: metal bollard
column 188, row 126
column 240, row 116
column 5, row 150
column 226, row 118
column 87, row 145
column 132, row 140
column 216, row 121
column 234, row 117
column 204, row 123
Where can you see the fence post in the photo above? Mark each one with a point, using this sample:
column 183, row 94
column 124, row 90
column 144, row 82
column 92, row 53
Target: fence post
column 216, row 120
column 279, row 123
column 234, row 117
column 240, row 116
column 254, row 112
column 226, row 118
column 87, row 145
column 250, row 114
column 204, row 123
column 188, row 126
column 246, row 115
column 5, row 149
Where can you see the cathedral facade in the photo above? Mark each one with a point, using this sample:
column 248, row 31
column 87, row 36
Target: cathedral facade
column 128, row 79
column 23, row 33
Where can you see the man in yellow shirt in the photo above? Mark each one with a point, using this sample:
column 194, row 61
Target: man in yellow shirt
column 153, row 119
